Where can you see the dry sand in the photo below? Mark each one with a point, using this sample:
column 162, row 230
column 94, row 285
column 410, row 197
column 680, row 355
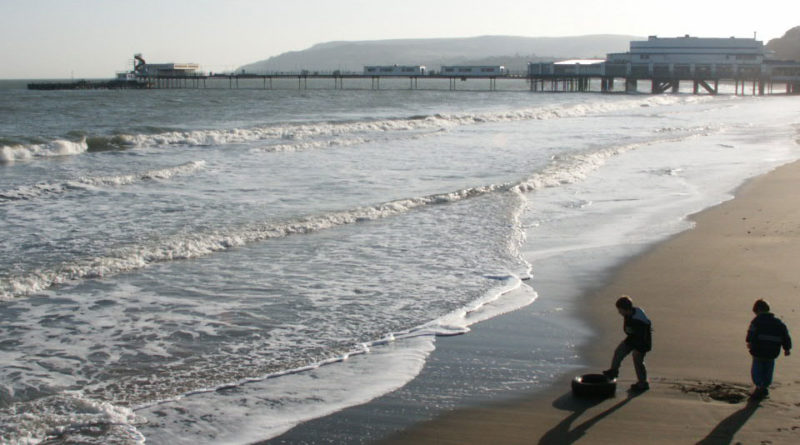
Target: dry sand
column 698, row 289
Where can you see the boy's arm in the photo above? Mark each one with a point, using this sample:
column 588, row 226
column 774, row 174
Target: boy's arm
column 751, row 333
column 787, row 341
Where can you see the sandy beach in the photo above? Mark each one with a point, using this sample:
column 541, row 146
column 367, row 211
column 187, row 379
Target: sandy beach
column 698, row 289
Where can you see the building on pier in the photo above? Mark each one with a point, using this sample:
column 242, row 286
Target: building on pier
column 574, row 67
column 144, row 69
column 665, row 62
column 685, row 58
column 473, row 71
column 394, row 70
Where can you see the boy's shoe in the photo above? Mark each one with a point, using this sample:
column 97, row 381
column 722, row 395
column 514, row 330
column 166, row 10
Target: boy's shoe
column 640, row 386
column 759, row 393
column 611, row 374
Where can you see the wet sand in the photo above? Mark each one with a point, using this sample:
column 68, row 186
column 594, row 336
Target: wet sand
column 698, row 289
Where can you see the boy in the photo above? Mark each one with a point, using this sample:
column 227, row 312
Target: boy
column 765, row 337
column 638, row 329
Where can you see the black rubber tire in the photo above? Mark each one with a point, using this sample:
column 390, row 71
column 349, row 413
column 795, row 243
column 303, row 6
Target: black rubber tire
column 593, row 386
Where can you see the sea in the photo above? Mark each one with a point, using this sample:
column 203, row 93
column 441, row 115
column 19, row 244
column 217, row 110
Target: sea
column 222, row 264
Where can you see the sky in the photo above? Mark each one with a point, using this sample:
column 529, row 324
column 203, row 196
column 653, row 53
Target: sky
column 96, row 38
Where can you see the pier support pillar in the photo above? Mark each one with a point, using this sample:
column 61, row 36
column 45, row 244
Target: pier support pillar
column 583, row 84
column 706, row 86
column 607, row 84
column 661, row 86
column 631, row 85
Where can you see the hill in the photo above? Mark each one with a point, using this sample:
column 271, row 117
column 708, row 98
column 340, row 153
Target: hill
column 786, row 47
column 513, row 52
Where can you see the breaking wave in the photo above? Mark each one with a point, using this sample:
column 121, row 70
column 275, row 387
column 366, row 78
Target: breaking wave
column 59, row 147
column 294, row 136
column 562, row 170
column 292, row 132
column 70, row 418
column 50, row 188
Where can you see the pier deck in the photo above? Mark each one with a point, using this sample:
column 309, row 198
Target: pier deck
column 786, row 81
column 565, row 80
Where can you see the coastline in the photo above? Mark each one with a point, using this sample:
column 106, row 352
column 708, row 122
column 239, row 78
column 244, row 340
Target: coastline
column 698, row 288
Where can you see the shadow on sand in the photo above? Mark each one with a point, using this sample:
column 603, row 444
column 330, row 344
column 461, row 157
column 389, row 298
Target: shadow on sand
column 724, row 432
column 564, row 433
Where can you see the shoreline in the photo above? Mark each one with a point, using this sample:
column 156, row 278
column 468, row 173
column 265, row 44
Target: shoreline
column 698, row 287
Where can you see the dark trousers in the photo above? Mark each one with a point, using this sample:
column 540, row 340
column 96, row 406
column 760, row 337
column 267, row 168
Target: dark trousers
column 622, row 351
column 761, row 371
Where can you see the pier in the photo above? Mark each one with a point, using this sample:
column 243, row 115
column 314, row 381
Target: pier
column 88, row 85
column 334, row 81
column 780, row 79
column 659, row 65
column 549, row 78
column 704, row 78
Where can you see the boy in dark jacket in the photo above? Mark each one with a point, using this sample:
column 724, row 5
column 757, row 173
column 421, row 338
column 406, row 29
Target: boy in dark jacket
column 765, row 338
column 638, row 340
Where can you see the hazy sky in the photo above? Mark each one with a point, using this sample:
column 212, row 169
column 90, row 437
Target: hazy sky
column 96, row 38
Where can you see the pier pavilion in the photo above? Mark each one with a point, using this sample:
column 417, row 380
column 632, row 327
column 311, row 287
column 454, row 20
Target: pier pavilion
column 666, row 62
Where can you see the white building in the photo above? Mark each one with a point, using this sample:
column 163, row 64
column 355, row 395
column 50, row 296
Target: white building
column 689, row 49
column 473, row 71
column 171, row 69
column 689, row 57
column 573, row 67
column 394, row 70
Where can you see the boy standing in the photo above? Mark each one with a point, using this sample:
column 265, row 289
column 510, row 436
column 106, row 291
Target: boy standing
column 765, row 338
column 638, row 340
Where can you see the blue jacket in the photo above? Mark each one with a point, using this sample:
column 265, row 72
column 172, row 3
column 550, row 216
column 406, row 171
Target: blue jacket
column 639, row 330
column 766, row 335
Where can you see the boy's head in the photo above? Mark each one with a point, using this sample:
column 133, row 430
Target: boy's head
column 760, row 306
column 624, row 305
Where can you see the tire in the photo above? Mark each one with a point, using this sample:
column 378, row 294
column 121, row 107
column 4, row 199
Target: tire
column 594, row 386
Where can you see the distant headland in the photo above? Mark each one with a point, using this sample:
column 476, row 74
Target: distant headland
column 513, row 52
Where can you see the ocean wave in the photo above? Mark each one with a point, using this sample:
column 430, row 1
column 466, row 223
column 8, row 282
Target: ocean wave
column 562, row 170
column 59, row 147
column 301, row 132
column 49, row 188
column 312, row 145
column 70, row 418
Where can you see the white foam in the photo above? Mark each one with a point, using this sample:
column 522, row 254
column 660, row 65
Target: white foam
column 271, row 406
column 311, row 145
column 265, row 407
column 45, row 188
column 576, row 167
column 71, row 417
column 564, row 170
column 304, row 132
column 58, row 147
